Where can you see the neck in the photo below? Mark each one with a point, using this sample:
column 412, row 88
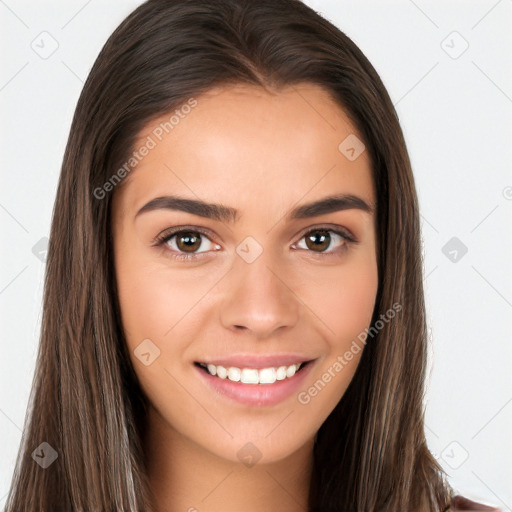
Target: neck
column 185, row 476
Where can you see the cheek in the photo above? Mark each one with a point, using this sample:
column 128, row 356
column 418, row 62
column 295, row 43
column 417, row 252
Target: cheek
column 143, row 304
column 346, row 311
column 151, row 297
column 345, row 300
column 150, row 302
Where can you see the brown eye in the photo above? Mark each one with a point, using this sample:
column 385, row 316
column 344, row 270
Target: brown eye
column 188, row 241
column 186, row 244
column 320, row 240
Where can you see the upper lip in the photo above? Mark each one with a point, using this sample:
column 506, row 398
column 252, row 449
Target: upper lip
column 257, row 361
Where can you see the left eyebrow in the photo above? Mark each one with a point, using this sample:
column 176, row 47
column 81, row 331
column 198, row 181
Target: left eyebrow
column 228, row 214
column 331, row 204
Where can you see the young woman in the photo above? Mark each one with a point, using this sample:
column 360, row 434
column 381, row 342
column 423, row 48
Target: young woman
column 233, row 313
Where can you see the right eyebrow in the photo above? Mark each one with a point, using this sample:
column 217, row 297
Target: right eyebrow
column 209, row 210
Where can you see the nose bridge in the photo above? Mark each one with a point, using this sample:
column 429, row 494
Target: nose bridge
column 259, row 297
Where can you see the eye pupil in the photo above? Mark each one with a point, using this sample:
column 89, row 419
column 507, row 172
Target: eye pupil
column 324, row 238
column 192, row 241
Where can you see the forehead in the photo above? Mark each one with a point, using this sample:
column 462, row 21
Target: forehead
column 241, row 142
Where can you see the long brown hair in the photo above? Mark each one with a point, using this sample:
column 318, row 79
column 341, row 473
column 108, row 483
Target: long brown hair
column 86, row 403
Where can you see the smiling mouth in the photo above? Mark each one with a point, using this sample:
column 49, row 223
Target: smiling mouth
column 253, row 375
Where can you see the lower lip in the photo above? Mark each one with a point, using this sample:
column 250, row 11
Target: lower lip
column 256, row 394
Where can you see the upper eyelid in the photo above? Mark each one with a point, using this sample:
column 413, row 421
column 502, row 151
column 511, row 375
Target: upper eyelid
column 329, row 227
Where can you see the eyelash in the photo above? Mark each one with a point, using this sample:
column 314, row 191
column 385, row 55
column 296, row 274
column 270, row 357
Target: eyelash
column 164, row 237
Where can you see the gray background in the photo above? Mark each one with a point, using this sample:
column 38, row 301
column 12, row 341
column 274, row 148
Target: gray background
column 447, row 67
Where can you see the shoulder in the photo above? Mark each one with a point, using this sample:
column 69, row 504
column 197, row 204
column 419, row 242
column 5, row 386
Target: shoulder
column 461, row 504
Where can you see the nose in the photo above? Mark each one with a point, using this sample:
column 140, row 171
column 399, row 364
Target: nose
column 259, row 298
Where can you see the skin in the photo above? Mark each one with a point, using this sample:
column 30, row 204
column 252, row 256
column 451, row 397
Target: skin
column 262, row 154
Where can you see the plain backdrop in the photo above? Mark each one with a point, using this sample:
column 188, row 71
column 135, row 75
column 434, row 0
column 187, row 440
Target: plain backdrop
column 447, row 67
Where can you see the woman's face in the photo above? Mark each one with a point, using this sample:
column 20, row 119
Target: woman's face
column 273, row 275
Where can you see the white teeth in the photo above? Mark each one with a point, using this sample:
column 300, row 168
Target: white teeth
column 252, row 375
column 268, row 376
column 234, row 374
column 281, row 373
column 290, row 371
